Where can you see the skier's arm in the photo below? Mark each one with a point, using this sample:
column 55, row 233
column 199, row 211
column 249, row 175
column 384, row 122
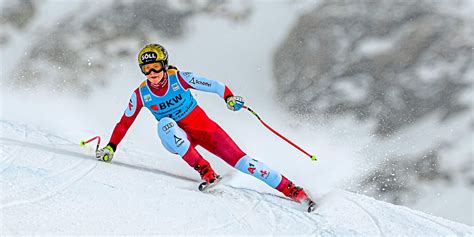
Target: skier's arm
column 194, row 81
column 131, row 112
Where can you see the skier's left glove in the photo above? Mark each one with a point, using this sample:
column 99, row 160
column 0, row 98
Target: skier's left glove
column 106, row 154
column 234, row 103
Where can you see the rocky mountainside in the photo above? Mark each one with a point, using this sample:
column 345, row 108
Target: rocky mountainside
column 76, row 50
column 394, row 64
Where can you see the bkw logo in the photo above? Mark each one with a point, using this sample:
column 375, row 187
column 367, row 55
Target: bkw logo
column 170, row 102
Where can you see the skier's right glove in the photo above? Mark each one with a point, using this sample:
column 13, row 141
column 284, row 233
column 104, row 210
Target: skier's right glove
column 106, row 154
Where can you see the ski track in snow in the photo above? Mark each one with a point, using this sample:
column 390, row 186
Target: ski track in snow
column 75, row 178
column 436, row 222
column 406, row 212
column 372, row 218
column 41, row 170
column 75, row 172
column 273, row 216
column 269, row 200
column 264, row 199
column 8, row 160
column 232, row 221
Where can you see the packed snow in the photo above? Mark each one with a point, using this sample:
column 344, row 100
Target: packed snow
column 49, row 185
column 52, row 186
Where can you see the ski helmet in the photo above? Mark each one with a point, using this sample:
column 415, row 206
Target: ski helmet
column 152, row 53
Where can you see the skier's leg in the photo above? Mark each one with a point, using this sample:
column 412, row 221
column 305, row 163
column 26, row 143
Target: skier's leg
column 259, row 170
column 173, row 138
column 176, row 141
column 221, row 144
column 271, row 177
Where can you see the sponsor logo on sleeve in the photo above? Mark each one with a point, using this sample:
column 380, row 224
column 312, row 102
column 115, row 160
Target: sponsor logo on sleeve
column 198, row 82
column 131, row 106
column 186, row 74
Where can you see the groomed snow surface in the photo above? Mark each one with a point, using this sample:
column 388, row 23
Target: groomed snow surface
column 49, row 185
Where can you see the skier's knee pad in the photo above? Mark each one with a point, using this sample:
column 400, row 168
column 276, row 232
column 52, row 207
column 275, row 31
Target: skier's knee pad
column 259, row 170
column 174, row 139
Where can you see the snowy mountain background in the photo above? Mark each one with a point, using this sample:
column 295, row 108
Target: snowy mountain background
column 392, row 124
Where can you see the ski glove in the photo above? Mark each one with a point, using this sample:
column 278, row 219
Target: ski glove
column 234, row 103
column 105, row 154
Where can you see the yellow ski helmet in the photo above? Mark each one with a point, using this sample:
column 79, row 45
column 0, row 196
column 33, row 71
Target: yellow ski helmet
column 152, row 53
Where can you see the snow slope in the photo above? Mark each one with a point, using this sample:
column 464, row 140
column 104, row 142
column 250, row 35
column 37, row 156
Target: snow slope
column 48, row 185
column 51, row 186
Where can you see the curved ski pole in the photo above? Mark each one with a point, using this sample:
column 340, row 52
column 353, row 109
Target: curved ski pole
column 312, row 157
column 84, row 143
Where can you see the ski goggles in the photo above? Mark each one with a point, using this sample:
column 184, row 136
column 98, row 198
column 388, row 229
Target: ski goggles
column 152, row 67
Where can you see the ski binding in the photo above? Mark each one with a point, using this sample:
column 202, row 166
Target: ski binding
column 205, row 185
column 311, row 206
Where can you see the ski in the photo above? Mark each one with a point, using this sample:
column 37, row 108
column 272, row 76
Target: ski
column 311, row 206
column 205, row 185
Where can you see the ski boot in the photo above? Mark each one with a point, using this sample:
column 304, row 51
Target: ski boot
column 208, row 176
column 297, row 194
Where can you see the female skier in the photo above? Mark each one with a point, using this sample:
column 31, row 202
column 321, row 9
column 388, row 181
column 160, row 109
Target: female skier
column 182, row 124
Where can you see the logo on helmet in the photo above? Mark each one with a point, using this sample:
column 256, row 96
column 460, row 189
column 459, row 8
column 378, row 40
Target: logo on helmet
column 148, row 57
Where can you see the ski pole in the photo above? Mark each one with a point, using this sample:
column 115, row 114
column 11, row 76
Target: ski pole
column 312, row 157
column 83, row 142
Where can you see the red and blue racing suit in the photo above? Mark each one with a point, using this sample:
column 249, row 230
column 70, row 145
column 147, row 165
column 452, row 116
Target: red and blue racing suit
column 182, row 124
